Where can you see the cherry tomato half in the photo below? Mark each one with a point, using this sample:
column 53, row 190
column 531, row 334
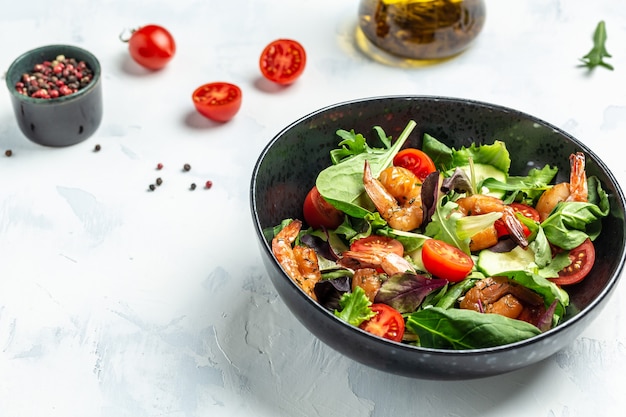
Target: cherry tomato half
column 152, row 46
column 583, row 257
column 446, row 261
column 387, row 322
column 320, row 213
column 283, row 61
column 218, row 101
column 526, row 211
column 378, row 244
column 416, row 161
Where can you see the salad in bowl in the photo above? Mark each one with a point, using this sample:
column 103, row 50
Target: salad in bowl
column 441, row 247
column 500, row 247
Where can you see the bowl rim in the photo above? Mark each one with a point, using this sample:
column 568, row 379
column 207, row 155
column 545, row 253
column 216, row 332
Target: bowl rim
column 94, row 64
column 542, row 337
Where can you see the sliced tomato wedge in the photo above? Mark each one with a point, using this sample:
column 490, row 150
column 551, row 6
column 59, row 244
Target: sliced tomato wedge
column 446, row 261
column 378, row 244
column 283, row 61
column 387, row 323
column 218, row 101
column 415, row 161
column 320, row 213
column 583, row 257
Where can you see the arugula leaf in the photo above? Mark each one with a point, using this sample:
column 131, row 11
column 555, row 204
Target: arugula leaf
column 355, row 307
column 596, row 56
column 342, row 184
column 524, row 188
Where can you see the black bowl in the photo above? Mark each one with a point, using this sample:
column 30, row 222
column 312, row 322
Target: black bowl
column 62, row 121
column 288, row 166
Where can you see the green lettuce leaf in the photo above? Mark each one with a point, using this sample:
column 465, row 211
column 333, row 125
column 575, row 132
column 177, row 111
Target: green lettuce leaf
column 355, row 307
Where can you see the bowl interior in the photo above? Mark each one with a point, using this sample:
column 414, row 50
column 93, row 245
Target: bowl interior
column 287, row 168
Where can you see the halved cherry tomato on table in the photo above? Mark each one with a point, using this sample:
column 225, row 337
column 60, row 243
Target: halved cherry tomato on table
column 152, row 46
column 320, row 213
column 446, row 261
column 526, row 211
column 378, row 244
column 283, row 61
column 583, row 257
column 217, row 101
column 387, row 322
column 415, row 161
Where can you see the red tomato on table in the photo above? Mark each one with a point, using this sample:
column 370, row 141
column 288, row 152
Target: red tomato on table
column 218, row 101
column 387, row 323
column 415, row 161
column 446, row 261
column 152, row 46
column 283, row 61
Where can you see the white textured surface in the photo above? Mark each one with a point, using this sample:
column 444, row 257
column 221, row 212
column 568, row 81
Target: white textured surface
column 118, row 302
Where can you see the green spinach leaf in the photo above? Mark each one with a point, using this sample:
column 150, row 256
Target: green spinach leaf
column 452, row 328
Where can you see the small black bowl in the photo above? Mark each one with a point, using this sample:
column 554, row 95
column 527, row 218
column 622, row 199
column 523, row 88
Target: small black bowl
column 62, row 121
column 286, row 171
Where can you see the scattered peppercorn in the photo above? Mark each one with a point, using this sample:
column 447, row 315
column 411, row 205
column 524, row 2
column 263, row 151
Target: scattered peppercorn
column 159, row 181
column 159, row 166
column 97, row 148
column 8, row 152
column 186, row 167
column 51, row 79
column 193, row 186
column 208, row 184
column 152, row 187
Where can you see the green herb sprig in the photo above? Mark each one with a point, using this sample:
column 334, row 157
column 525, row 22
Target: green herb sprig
column 596, row 56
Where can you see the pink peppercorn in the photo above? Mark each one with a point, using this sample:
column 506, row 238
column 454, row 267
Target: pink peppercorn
column 51, row 79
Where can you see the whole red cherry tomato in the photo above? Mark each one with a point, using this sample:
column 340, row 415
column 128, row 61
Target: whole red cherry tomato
column 152, row 46
column 283, row 61
column 218, row 101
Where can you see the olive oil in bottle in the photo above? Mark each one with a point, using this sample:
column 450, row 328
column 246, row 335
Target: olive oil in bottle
column 422, row 29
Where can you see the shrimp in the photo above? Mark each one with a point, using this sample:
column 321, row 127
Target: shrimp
column 299, row 262
column 369, row 279
column 390, row 262
column 482, row 204
column 499, row 295
column 396, row 195
column 575, row 190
